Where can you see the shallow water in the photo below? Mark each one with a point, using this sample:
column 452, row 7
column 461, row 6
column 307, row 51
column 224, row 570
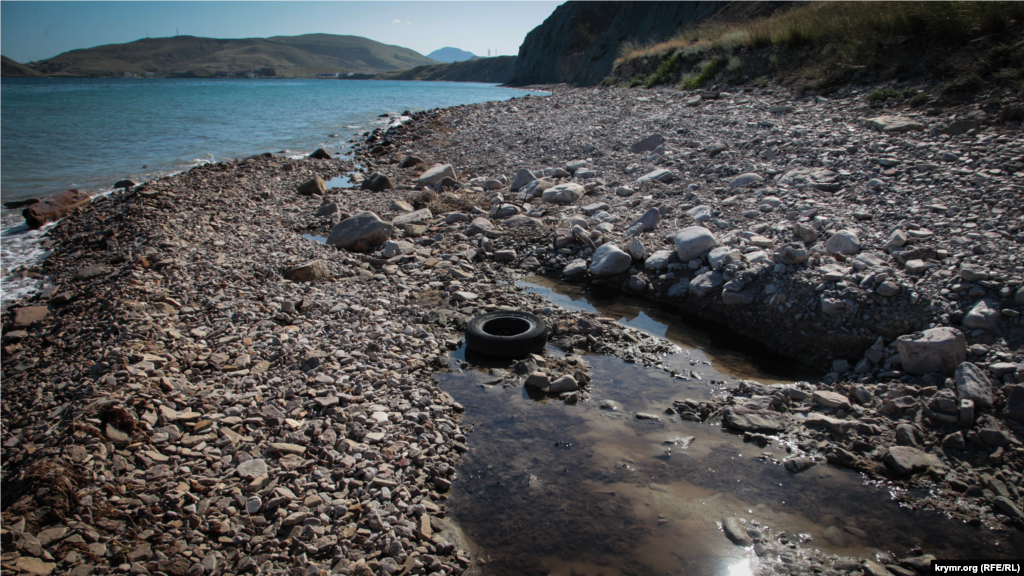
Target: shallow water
column 551, row 488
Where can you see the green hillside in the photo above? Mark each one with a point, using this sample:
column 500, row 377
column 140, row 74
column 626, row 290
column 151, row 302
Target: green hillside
column 499, row 69
column 303, row 55
column 9, row 67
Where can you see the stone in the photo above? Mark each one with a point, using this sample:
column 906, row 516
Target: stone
column 831, row 399
column 320, row 154
column 563, row 193
column 308, row 271
column 647, row 144
column 284, row 448
column 706, row 283
column 575, row 268
column 661, row 175
column 844, row 242
column 505, row 256
column 805, row 233
column 961, row 127
column 746, row 180
column 27, row 316
column 888, row 289
column 892, row 124
column 413, row 217
column 659, row 260
column 363, row 231
column 747, row 420
column 522, row 178
column 435, row 174
column 411, row 161
column 973, row 272
column 692, row 242
column 734, row 529
column 737, row 298
column 34, row 566
column 126, row 183
column 377, row 182
column 253, row 505
column 817, row 178
column 984, row 315
column 314, row 187
column 973, row 384
column 793, row 254
column 798, row 465
column 907, row 460
column 327, row 210
column 564, row 384
column 538, row 380
column 700, row 213
column 649, row 221
column 1014, row 409
column 610, row 260
column 252, row 468
column 937, row 350
column 479, row 225
column 55, row 207
column 1006, row 506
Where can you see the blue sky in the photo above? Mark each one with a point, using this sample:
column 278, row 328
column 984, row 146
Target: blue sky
column 38, row 30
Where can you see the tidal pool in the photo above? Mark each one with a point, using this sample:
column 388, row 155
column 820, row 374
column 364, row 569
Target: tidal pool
column 548, row 488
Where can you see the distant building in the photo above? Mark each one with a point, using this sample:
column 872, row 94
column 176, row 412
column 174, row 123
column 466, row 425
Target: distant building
column 149, row 75
column 127, row 74
column 327, row 74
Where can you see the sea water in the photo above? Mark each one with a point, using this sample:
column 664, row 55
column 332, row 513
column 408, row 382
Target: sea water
column 88, row 133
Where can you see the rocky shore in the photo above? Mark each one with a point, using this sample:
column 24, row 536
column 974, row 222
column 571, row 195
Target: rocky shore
column 200, row 389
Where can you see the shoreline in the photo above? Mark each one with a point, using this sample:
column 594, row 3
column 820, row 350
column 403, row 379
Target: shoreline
column 171, row 351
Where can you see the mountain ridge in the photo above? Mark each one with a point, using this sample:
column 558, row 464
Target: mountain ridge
column 303, row 56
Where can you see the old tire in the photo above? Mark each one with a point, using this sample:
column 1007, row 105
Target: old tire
column 507, row 334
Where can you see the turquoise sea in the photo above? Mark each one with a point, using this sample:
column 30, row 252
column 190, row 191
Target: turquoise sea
column 85, row 133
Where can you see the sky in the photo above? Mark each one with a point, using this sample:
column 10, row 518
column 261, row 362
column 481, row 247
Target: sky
column 32, row 31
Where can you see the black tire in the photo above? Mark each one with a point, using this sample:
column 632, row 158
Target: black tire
column 507, row 334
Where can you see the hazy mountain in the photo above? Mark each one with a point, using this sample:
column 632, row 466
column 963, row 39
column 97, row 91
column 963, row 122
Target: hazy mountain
column 450, row 54
column 304, row 55
column 9, row 67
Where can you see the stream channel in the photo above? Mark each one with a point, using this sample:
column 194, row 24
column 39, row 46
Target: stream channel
column 549, row 488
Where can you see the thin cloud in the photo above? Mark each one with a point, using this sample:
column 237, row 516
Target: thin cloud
column 396, row 21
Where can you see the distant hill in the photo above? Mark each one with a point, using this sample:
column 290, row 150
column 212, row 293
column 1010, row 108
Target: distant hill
column 304, row 55
column 9, row 67
column 499, row 70
column 450, row 54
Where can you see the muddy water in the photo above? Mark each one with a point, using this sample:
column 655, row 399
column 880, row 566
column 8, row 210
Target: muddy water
column 551, row 488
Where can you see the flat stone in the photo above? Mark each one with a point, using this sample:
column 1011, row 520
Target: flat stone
column 892, row 124
column 746, row 420
column 435, row 174
column 746, row 180
column 831, row 399
column 907, row 460
column 35, row 566
column 934, row 351
column 26, row 316
column 661, row 175
column 693, row 241
column 252, row 468
column 284, row 448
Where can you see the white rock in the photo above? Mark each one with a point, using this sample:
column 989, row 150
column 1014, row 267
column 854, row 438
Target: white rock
column 693, row 241
column 563, row 193
column 659, row 260
column 661, row 175
column 636, row 249
column 746, row 180
column 435, row 174
column 938, row 350
column 610, row 260
column 844, row 242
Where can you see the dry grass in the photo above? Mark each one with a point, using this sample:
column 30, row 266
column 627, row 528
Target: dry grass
column 849, row 29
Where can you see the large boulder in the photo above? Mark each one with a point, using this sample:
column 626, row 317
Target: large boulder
column 693, row 241
column 320, row 154
column 609, row 260
column 434, row 174
column 844, row 242
column 563, row 193
column 53, row 208
column 377, row 182
column 314, row 187
column 361, row 232
column 938, row 350
column 973, row 384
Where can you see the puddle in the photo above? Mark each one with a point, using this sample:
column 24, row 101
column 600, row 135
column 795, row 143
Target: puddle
column 729, row 353
column 547, row 488
column 342, row 181
column 320, row 239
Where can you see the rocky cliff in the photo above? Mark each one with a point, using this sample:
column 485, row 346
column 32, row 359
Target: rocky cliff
column 580, row 40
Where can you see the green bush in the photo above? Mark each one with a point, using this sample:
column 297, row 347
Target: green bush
column 708, row 71
column 919, row 99
column 667, row 70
